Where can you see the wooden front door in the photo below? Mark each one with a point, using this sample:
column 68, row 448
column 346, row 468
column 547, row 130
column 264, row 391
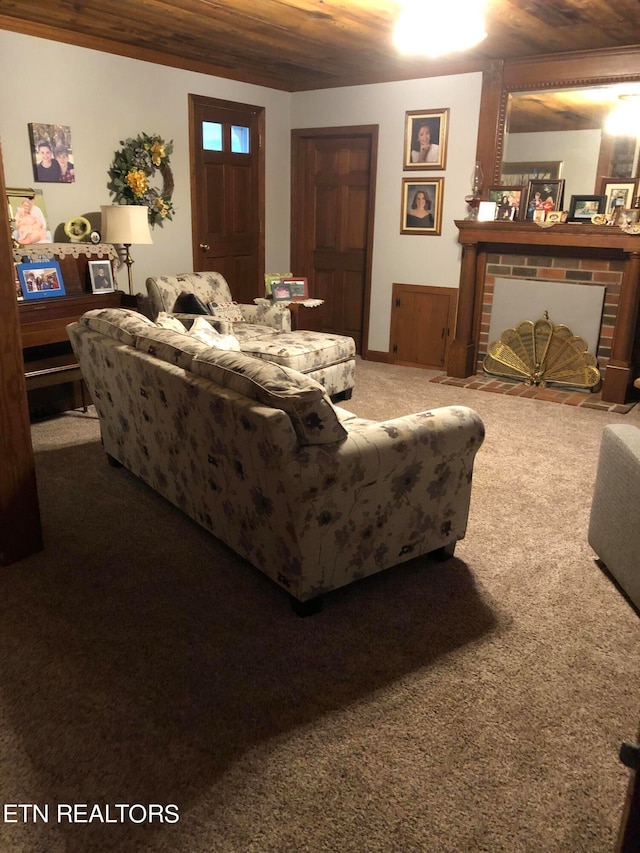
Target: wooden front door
column 227, row 192
column 333, row 188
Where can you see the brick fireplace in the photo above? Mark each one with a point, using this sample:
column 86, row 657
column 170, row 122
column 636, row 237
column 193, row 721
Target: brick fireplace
column 579, row 271
column 572, row 253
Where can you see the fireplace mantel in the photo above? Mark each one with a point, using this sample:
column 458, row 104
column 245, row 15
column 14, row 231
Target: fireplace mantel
column 576, row 240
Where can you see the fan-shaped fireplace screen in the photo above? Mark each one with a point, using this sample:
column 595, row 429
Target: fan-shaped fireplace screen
column 541, row 353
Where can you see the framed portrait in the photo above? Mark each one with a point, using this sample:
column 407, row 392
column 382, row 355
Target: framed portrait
column 619, row 194
column 425, row 139
column 421, row 211
column 298, row 287
column 100, row 276
column 41, row 280
column 281, row 292
column 508, row 201
column 28, row 216
column 52, row 153
column 519, row 174
column 543, row 196
column 583, row 207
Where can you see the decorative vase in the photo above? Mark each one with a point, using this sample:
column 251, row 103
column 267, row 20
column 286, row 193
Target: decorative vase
column 474, row 197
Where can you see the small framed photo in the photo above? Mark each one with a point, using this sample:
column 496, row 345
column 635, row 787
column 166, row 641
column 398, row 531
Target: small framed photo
column 620, row 195
column 100, row 276
column 421, row 206
column 281, row 292
column 508, row 201
column 298, row 287
column 272, row 277
column 545, row 196
column 583, row 207
column 487, row 211
column 28, row 216
column 556, row 216
column 629, row 217
column 41, row 280
column 425, row 139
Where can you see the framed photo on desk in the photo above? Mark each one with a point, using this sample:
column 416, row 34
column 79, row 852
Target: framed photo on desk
column 281, row 292
column 100, row 276
column 299, row 288
column 41, row 280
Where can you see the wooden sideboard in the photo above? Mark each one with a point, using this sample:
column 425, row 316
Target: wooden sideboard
column 576, row 240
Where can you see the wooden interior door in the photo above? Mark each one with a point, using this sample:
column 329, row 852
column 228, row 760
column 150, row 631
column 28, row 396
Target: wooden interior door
column 333, row 188
column 227, row 192
column 422, row 321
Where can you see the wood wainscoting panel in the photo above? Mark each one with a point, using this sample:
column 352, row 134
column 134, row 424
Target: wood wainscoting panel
column 422, row 324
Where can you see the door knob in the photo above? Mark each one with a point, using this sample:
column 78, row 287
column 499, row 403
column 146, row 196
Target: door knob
column 205, row 247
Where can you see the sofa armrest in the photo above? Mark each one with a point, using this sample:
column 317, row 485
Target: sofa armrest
column 614, row 521
column 433, row 438
column 276, row 316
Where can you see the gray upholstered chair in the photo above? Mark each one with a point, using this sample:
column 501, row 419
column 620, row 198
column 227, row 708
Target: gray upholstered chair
column 614, row 525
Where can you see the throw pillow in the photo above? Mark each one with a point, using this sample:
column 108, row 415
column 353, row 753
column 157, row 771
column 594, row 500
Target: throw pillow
column 229, row 311
column 204, row 331
column 302, row 398
column 189, row 303
column 173, row 347
column 168, row 321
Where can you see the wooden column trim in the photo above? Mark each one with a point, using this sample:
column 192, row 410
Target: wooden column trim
column 619, row 374
column 461, row 362
column 20, row 530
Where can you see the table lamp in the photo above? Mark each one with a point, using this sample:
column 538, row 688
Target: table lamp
column 126, row 224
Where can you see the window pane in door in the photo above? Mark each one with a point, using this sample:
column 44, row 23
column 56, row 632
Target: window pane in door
column 239, row 139
column 211, row 136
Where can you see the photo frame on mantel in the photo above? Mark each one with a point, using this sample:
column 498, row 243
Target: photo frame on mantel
column 620, row 194
column 542, row 198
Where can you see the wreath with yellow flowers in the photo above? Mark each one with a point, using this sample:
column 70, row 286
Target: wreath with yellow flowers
column 132, row 171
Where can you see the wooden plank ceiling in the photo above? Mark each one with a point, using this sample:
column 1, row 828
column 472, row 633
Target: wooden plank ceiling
column 298, row 45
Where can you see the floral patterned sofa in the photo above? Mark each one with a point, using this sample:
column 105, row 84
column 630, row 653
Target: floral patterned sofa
column 262, row 330
column 257, row 454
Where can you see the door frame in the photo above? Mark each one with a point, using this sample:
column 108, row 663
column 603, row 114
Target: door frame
column 300, row 233
column 219, row 103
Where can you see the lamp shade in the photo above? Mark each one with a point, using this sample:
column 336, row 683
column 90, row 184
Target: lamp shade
column 125, row 223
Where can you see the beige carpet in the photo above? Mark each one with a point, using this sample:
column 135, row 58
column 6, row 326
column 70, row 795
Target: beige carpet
column 475, row 705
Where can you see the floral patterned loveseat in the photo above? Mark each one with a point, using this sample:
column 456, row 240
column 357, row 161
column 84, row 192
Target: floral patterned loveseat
column 257, row 454
column 262, row 330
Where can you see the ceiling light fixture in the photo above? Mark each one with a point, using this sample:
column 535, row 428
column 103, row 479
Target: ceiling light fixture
column 434, row 29
column 624, row 118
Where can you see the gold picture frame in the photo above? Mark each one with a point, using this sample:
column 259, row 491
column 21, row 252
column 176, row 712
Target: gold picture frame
column 426, row 135
column 421, row 208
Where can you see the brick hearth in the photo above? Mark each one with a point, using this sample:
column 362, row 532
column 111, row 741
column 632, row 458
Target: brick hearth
column 585, row 399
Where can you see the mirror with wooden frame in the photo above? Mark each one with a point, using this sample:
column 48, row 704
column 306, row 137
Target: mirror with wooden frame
column 540, row 117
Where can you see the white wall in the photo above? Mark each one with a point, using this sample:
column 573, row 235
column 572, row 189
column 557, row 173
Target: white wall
column 105, row 99
column 405, row 258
